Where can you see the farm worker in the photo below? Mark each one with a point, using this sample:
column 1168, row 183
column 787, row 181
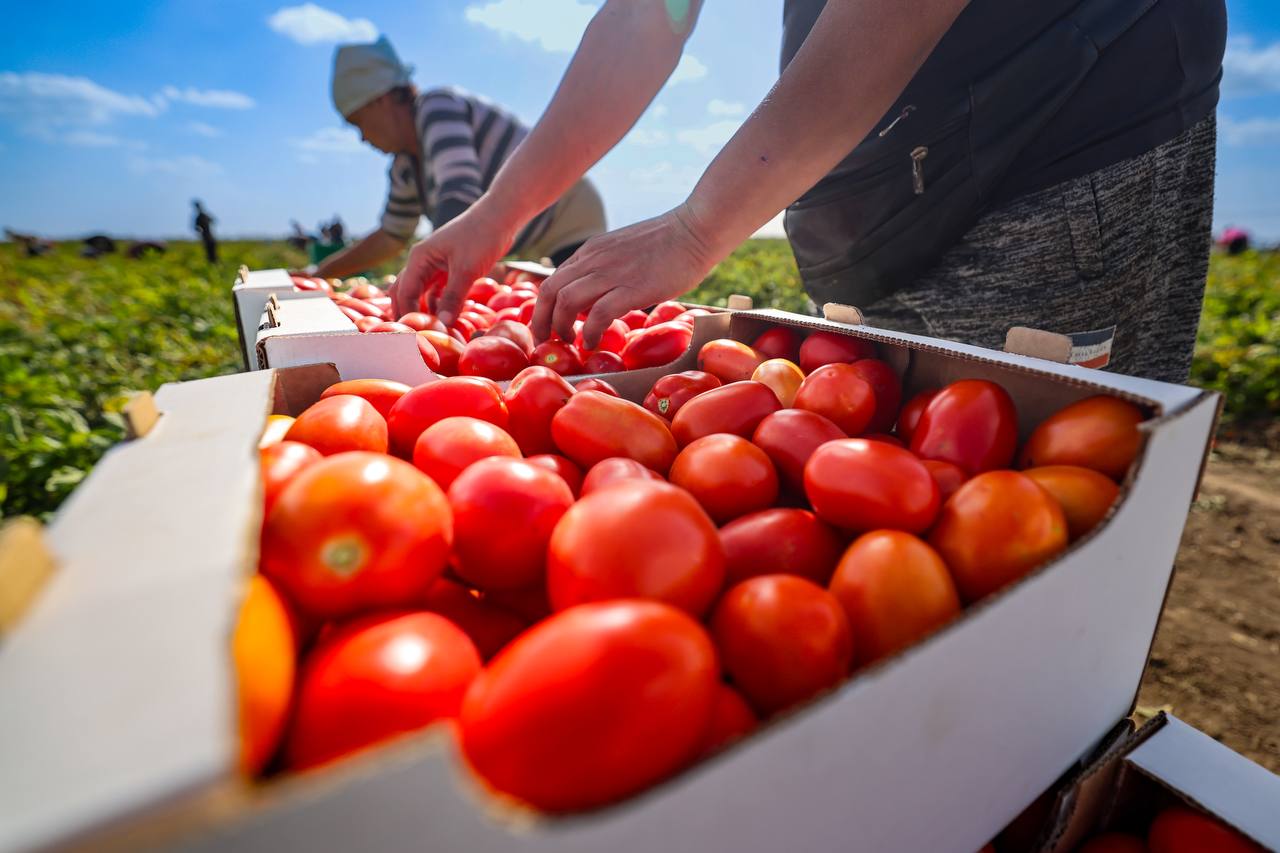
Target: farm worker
column 447, row 146
column 953, row 168
column 203, row 225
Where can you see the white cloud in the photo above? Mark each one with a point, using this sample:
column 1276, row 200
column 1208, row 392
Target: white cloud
column 40, row 102
column 690, row 68
column 329, row 140
column 717, row 107
column 706, row 140
column 199, row 128
column 188, row 164
column 92, row 139
column 312, row 24
column 1252, row 131
column 648, row 138
column 221, row 99
column 554, row 25
column 1250, row 69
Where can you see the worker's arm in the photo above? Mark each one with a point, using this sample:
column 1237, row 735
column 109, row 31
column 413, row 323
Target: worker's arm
column 855, row 63
column 628, row 51
column 374, row 249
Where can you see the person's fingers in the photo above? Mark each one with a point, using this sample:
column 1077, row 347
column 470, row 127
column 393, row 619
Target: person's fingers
column 449, row 302
column 576, row 298
column 608, row 308
column 544, row 308
column 408, row 286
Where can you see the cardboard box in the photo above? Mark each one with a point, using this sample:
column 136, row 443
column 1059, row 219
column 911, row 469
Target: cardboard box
column 118, row 717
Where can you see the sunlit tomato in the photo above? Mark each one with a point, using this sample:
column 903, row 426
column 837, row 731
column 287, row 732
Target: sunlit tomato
column 600, row 385
column 503, row 513
column 728, row 475
column 483, row 289
column 488, row 626
column 512, row 314
column 1099, row 433
column 273, row 432
column 972, row 423
column 997, row 528
column 895, row 590
column 593, row 426
column 887, row 387
column 603, row 361
column 821, row 348
column 448, row 351
column 423, row 322
column 446, row 448
column 430, row 357
column 635, row 318
column 782, row 640
column 487, row 316
column 264, row 650
column 736, row 408
column 636, row 539
column 360, row 305
column 663, row 312
column 492, row 357
column 464, row 328
column 356, row 531
column 1084, row 494
column 1116, row 842
column 280, row 463
column 382, row 394
column 613, row 340
column 656, row 345
column 366, row 323
column 909, row 417
column 865, row 485
column 783, row 378
column 375, row 678
column 365, row 290
column 355, row 316
column 728, row 360
column 558, row 356
column 839, row 394
column 948, row 475
column 790, row 436
column 731, row 719
column 592, row 705
column 780, row 541
column 613, row 469
column 778, row 342
column 517, row 333
column 336, row 424
column 568, row 471
column 672, row 391
column 420, row 407
column 532, row 398
column 390, row 326
column 1182, row 830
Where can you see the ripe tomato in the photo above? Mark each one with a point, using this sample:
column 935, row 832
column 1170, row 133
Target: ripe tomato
column 780, row 541
column 1084, row 494
column 948, row 475
column 517, row 333
column 503, row 513
column 782, row 640
column 865, row 485
column 488, row 626
column 280, row 463
column 840, row 394
column 365, row 323
column 603, row 361
column 526, row 310
column 672, row 391
column 613, row 339
column 375, row 678
column 423, row 322
column 821, row 348
column 365, row 290
column 492, row 357
column 569, row 472
column 1182, row 830
column 1115, row 842
column 430, row 357
column 448, row 447
column 448, row 351
column 656, row 345
column 778, row 342
column 883, row 436
column 382, row 394
column 559, row 356
column 1099, row 433
column 972, row 423
column 464, row 328
column 600, row 385
column 361, row 306
column 593, row 426
column 888, row 391
column 790, row 436
column 532, row 399
column 356, row 531
column 736, row 408
column 336, row 424
column 997, row 528
column 783, row 378
column 273, row 432
column 909, row 417
column 508, row 299
column 895, row 590
column 264, row 650
column 592, row 705
column 728, row 475
column 483, row 289
column 390, row 326
column 663, row 312
column 470, row 396
column 731, row 719
column 728, row 360
column 636, row 539
column 635, row 318
column 613, row 469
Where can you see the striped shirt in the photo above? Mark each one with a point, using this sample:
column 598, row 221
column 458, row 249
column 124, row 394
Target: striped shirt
column 463, row 140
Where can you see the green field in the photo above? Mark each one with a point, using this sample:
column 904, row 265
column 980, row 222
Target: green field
column 76, row 335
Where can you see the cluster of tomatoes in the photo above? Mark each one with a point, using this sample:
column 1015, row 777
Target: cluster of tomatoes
column 1177, row 829
column 600, row 592
column 491, row 337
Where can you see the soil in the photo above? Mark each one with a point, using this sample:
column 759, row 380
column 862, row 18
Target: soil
column 1216, row 660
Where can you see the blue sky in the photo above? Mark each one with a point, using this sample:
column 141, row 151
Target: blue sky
column 113, row 116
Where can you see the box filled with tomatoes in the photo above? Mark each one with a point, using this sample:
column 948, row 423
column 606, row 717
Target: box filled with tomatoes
column 792, row 591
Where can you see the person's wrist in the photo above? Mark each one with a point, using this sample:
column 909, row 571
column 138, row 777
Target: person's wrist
column 704, row 241
column 501, row 213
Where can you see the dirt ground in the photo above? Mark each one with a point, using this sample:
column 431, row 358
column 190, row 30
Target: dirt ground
column 1216, row 661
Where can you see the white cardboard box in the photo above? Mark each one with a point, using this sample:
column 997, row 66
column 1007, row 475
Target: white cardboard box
column 118, row 708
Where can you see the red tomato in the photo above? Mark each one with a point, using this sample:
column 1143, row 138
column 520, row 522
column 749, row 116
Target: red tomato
column 336, row 424
column 464, row 328
column 662, row 313
column 784, row 377
column 487, row 316
column 603, row 361
column 948, row 475
column 1084, row 494
column 280, row 463
column 1115, row 842
column 512, row 314
column 526, row 310
column 423, row 322
column 517, row 333
column 354, row 532
column 430, row 357
column 492, row 357
column 420, row 407
column 376, row 678
column 366, row 323
column 361, row 306
column 972, row 423
column 613, row 340
column 483, row 289
column 448, row 350
column 382, row 394
column 731, row 719
column 840, row 394
column 1099, row 433
column 353, row 315
column 558, row 356
column 503, row 513
column 888, row 392
column 728, row 475
column 736, row 408
column 613, row 469
column 672, row 391
column 600, row 385
column 782, row 640
column 778, row 342
column 895, row 590
column 532, row 398
column 656, row 345
column 997, row 528
column 448, row 447
column 728, row 360
column 780, row 541
column 509, row 299
column 864, row 485
column 909, row 417
column 829, row 348
column 488, row 626
column 1183, row 830
column 635, row 318
column 569, row 472
column 390, row 326
column 593, row 426
column 592, row 705
column 365, row 290
column 883, row 436
column 790, row 436
column 636, row 539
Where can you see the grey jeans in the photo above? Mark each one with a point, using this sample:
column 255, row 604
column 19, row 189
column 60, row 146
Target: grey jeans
column 1116, row 258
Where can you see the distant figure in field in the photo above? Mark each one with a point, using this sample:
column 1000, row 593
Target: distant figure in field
column 1234, row 241
column 203, row 224
column 31, row 244
column 97, row 245
column 298, row 239
column 141, row 248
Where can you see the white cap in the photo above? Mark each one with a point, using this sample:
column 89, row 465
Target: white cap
column 365, row 72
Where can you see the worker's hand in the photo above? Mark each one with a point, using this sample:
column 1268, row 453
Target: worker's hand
column 633, row 267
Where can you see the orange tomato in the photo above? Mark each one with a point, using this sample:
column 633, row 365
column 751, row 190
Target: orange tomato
column 382, row 394
column 840, row 394
column 1085, row 495
column 728, row 360
column 728, row 475
column 337, row 424
column 783, row 378
column 264, row 651
column 273, row 432
column 447, row 448
column 280, row 463
column 1184, row 830
column 1099, row 433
